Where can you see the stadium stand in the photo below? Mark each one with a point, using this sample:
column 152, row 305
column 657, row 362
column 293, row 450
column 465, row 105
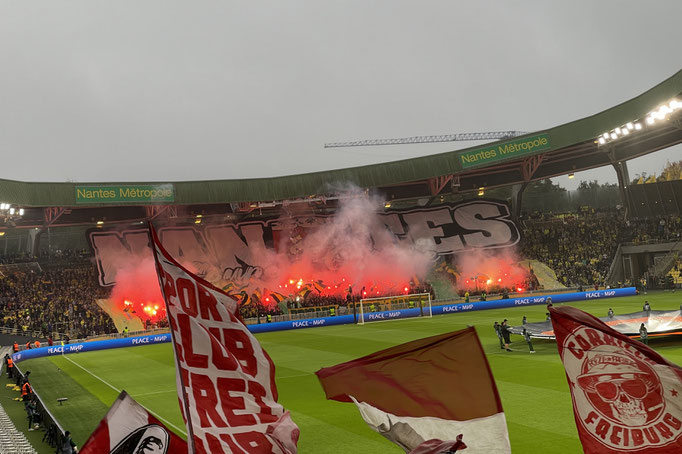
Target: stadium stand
column 58, row 299
column 56, row 293
column 580, row 246
column 675, row 274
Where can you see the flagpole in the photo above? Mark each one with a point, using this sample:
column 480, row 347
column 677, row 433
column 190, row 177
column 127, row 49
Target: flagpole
column 190, row 431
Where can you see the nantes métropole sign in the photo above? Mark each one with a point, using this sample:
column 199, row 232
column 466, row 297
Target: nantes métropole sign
column 498, row 151
column 125, row 194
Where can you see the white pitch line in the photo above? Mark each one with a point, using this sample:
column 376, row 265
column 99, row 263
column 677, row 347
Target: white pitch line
column 98, row 378
column 119, row 391
column 297, row 375
column 155, row 392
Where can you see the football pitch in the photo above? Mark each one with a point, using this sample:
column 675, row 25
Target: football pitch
column 533, row 388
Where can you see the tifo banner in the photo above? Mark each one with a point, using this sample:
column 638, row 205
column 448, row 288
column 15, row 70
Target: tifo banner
column 428, row 389
column 129, row 428
column 226, row 381
column 626, row 397
column 235, row 252
column 656, row 322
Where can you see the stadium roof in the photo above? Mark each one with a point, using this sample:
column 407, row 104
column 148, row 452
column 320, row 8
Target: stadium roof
column 567, row 148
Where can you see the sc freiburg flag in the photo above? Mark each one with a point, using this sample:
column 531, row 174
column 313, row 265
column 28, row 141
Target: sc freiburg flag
column 425, row 391
column 128, row 428
column 226, row 381
column 626, row 397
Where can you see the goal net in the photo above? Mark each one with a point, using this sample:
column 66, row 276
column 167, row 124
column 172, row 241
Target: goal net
column 389, row 307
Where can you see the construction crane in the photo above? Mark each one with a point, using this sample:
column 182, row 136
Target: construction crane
column 495, row 135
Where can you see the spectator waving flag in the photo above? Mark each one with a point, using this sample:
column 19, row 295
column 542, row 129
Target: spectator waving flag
column 626, row 397
column 424, row 393
column 226, row 381
column 129, row 428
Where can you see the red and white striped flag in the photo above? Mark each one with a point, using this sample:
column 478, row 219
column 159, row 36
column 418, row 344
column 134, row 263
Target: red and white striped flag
column 226, row 381
column 423, row 394
column 129, row 428
column 626, row 397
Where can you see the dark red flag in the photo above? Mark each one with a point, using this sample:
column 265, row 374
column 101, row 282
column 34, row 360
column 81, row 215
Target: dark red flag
column 426, row 390
column 626, row 397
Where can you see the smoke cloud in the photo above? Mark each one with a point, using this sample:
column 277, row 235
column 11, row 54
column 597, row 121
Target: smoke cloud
column 490, row 271
column 351, row 249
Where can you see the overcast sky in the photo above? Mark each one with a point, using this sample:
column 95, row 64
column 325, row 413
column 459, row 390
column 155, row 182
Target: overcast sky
column 174, row 90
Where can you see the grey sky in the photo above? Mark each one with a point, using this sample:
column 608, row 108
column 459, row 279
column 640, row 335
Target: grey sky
column 168, row 90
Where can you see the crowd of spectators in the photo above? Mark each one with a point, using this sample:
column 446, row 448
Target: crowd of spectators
column 60, row 297
column 56, row 257
column 674, row 275
column 578, row 248
column 654, row 230
column 57, row 299
column 581, row 247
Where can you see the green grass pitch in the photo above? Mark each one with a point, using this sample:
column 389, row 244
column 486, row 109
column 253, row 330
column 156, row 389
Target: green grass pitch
column 533, row 388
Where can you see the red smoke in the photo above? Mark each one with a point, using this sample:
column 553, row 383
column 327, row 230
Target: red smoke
column 490, row 271
column 353, row 249
column 137, row 290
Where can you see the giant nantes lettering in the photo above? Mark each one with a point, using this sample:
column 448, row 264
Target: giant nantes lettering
column 239, row 252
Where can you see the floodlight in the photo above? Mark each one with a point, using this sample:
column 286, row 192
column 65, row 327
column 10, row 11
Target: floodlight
column 650, row 120
column 626, row 131
column 11, row 211
column 630, row 126
column 614, row 136
column 602, row 141
column 21, row 211
column 617, row 130
column 638, row 126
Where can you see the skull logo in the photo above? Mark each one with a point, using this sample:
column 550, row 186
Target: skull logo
column 622, row 388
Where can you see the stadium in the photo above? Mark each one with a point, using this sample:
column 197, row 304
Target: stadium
column 331, row 266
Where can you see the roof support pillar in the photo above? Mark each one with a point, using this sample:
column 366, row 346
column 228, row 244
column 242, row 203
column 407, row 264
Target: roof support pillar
column 154, row 211
column 517, row 198
column 623, row 175
column 51, row 214
column 529, row 166
column 437, row 184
